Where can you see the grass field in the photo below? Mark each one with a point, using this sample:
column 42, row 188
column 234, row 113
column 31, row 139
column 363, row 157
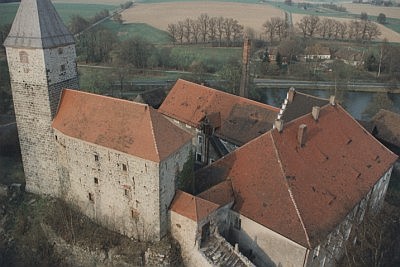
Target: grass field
column 159, row 15
column 66, row 10
column 390, row 12
column 145, row 31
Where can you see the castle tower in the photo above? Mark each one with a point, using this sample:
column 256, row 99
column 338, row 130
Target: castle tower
column 41, row 58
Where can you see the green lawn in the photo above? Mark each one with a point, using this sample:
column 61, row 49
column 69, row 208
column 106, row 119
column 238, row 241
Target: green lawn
column 65, row 10
column 125, row 31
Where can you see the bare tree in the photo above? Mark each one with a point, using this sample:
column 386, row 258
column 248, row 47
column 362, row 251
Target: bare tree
column 313, row 25
column 220, row 29
column 204, row 22
column 187, row 29
column 173, row 31
column 212, row 26
column 195, row 30
column 180, row 31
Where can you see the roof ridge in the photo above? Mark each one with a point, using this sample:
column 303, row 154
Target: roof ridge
column 153, row 131
column 289, row 190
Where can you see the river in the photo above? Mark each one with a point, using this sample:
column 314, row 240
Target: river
column 356, row 103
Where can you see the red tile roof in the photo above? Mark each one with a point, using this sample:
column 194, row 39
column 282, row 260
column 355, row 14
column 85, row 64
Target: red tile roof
column 220, row 194
column 241, row 119
column 122, row 125
column 192, row 207
column 303, row 193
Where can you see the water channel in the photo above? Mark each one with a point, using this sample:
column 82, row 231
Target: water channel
column 356, row 103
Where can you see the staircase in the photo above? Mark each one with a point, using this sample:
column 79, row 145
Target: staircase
column 220, row 253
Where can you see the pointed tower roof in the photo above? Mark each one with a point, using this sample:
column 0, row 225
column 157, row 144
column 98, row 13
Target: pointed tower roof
column 38, row 25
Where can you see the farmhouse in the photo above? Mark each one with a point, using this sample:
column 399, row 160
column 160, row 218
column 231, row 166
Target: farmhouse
column 274, row 187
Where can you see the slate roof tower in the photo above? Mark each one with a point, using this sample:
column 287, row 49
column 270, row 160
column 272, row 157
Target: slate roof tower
column 41, row 57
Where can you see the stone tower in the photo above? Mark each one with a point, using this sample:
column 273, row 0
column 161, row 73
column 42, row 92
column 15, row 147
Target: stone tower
column 41, row 58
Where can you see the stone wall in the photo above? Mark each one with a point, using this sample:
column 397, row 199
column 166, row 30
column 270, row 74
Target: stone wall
column 263, row 246
column 36, row 93
column 122, row 192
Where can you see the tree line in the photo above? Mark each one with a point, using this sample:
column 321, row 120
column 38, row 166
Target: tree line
column 206, row 29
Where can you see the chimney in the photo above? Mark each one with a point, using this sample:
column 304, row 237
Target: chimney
column 302, row 135
column 278, row 125
column 332, row 100
column 315, row 112
column 290, row 94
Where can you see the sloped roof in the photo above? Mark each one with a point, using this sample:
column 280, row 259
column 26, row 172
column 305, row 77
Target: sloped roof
column 303, row 193
column 38, row 25
column 301, row 104
column 241, row 119
column 387, row 124
column 122, row 125
column 192, row 207
column 220, row 194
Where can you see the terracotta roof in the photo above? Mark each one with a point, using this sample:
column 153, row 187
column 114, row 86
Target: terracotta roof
column 192, row 207
column 220, row 194
column 241, row 119
column 122, row 125
column 38, row 25
column 302, row 104
column 387, row 126
column 303, row 193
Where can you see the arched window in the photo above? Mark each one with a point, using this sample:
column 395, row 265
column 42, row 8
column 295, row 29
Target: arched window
column 23, row 57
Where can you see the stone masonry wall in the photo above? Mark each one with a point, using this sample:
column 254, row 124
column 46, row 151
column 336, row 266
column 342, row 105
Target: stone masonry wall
column 34, row 109
column 119, row 191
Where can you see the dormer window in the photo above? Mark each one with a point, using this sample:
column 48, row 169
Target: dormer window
column 23, row 57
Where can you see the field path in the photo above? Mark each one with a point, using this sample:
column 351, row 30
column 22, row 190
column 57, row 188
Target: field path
column 159, row 15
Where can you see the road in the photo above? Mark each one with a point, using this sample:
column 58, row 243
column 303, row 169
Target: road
column 359, row 86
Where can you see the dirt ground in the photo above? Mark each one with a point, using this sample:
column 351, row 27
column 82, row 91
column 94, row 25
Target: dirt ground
column 389, row 34
column 159, row 15
column 390, row 12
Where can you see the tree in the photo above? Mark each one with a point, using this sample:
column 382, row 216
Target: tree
column 364, row 16
column 279, row 59
column 371, row 63
column 117, row 17
column 231, row 74
column 77, row 24
column 204, row 22
column 381, row 18
column 173, row 31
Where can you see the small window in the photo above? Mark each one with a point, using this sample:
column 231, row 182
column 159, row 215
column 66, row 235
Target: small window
column 60, row 51
column 200, row 140
column 126, row 192
column 56, row 137
column 96, row 157
column 91, row 197
column 124, row 168
column 237, row 223
column 23, row 57
column 198, row 157
column 96, row 180
column 62, row 67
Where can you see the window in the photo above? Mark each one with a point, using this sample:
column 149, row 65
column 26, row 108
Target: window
column 60, row 50
column 96, row 180
column 198, row 157
column 237, row 223
column 126, row 192
column 96, row 157
column 200, row 140
column 62, row 68
column 23, row 57
column 91, row 197
column 56, row 137
column 124, row 168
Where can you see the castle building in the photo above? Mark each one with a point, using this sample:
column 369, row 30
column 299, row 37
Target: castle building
column 285, row 187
